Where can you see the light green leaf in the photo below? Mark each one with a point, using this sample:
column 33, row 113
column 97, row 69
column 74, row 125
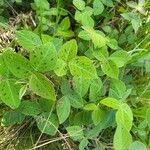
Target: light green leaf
column 83, row 144
column 9, row 93
column 28, row 39
column 124, row 116
column 95, row 89
column 84, row 35
column 22, row 91
column 90, row 106
column 47, row 123
column 68, row 51
column 61, row 68
column 17, row 64
column 110, row 69
column 82, row 66
column 65, row 24
column 75, row 132
column 11, row 118
column 3, row 68
column 120, row 58
column 42, row 86
column 44, row 58
column 98, row 7
column 80, row 4
column 108, row 3
column 148, row 117
column 81, row 85
column 137, row 145
column 111, row 102
column 30, row 108
column 63, row 109
column 122, row 138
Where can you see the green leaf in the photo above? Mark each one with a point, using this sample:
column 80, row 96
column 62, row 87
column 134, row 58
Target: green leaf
column 110, row 69
column 98, row 7
column 83, row 144
column 22, row 91
column 11, row 118
column 124, row 116
column 137, row 145
column 63, row 109
column 28, row 39
column 47, row 123
column 75, row 132
column 81, row 85
column 120, row 58
column 68, row 51
column 108, row 3
column 80, row 4
column 122, row 138
column 148, row 117
column 17, row 64
column 44, row 58
column 9, row 93
column 65, row 24
column 97, row 116
column 90, row 106
column 42, row 86
column 82, row 66
column 61, row 68
column 30, row 108
column 84, row 35
column 3, row 68
column 95, row 89
column 111, row 102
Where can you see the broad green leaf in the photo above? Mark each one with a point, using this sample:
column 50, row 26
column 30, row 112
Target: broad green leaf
column 124, row 116
column 84, row 35
column 111, row 102
column 3, row 68
column 81, row 85
column 61, row 68
column 28, row 39
column 68, row 51
column 65, row 24
column 90, row 106
column 108, row 3
column 30, row 108
column 98, row 7
column 83, row 144
column 148, row 117
column 17, row 64
column 97, row 37
column 11, row 118
column 113, row 44
column 47, row 123
column 137, row 145
column 120, row 58
column 82, row 66
column 41, row 5
column 95, row 89
column 42, row 86
column 66, row 87
column 44, row 58
column 75, row 132
column 97, row 116
column 9, row 93
column 110, row 69
column 63, row 109
column 122, row 138
column 80, row 4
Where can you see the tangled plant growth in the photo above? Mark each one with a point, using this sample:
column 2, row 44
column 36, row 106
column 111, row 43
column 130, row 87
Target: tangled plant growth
column 82, row 73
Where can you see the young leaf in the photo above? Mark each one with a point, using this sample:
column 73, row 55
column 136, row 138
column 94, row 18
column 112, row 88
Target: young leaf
column 75, row 132
column 63, row 109
column 82, row 66
column 81, row 85
column 22, row 91
column 65, row 24
column 47, row 123
column 90, row 106
column 17, row 64
column 11, row 118
column 80, row 4
column 28, row 39
column 111, row 102
column 137, row 145
column 44, row 58
column 110, row 69
column 42, row 86
column 9, row 93
column 119, row 57
column 122, row 138
column 68, row 51
column 30, row 108
column 98, row 7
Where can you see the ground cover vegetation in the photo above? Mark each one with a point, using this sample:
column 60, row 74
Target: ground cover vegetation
column 75, row 74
